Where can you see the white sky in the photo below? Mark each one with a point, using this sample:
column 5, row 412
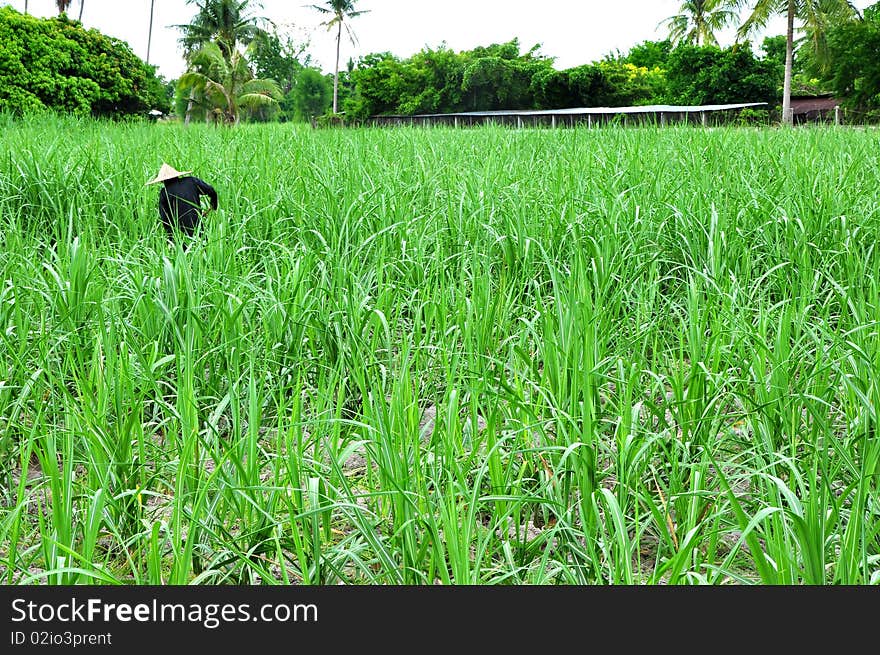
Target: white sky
column 573, row 31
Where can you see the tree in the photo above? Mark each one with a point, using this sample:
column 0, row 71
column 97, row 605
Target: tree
column 282, row 57
column 310, row 96
column 581, row 86
column 773, row 48
column 341, row 10
column 499, row 77
column 495, row 83
column 228, row 23
column 279, row 56
column 649, row 54
column 710, row 75
column 54, row 63
column 625, row 84
column 228, row 84
column 438, row 75
column 814, row 15
column 379, row 80
column 698, row 21
column 854, row 68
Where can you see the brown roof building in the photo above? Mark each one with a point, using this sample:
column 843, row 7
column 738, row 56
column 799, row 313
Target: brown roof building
column 815, row 108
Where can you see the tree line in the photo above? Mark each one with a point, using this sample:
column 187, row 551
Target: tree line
column 500, row 77
column 240, row 66
column 836, row 52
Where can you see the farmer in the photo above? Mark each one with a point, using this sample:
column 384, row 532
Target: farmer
column 180, row 200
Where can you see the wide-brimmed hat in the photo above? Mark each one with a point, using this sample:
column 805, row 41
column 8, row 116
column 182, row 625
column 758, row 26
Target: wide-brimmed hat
column 167, row 173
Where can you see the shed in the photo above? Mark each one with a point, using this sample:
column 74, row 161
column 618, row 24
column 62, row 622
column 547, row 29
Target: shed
column 813, row 108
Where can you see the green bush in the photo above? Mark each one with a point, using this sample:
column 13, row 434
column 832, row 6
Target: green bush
column 55, row 64
column 330, row 120
column 853, row 66
column 749, row 116
column 711, row 75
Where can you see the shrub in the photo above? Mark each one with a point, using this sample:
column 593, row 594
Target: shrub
column 55, row 64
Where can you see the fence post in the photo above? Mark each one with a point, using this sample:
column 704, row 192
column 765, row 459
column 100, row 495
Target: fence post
column 837, row 114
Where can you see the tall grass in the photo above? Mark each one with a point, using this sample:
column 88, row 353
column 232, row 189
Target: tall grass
column 626, row 356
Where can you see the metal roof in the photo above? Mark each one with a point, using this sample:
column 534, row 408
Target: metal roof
column 576, row 111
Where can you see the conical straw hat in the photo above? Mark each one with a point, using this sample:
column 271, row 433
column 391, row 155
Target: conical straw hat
column 167, row 173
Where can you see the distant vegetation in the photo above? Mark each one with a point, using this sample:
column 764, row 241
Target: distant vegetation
column 500, row 77
column 243, row 67
column 55, row 64
column 832, row 48
column 852, row 65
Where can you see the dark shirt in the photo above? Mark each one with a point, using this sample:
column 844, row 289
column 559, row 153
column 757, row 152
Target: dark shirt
column 179, row 204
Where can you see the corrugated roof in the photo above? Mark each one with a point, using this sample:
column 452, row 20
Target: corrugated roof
column 583, row 111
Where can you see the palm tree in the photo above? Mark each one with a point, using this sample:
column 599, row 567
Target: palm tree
column 81, row 3
column 150, row 32
column 814, row 16
column 698, row 21
column 229, row 23
column 227, row 83
column 63, row 5
column 340, row 10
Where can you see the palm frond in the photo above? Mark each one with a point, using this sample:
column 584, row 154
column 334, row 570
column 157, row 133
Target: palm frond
column 192, row 80
column 254, row 100
column 760, row 15
column 208, row 55
column 351, row 34
column 259, row 86
column 698, row 21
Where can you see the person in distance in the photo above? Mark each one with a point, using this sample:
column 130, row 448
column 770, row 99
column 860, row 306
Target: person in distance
column 180, row 205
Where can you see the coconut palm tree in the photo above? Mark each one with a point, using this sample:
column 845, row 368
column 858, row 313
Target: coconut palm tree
column 81, row 3
column 698, row 21
column 229, row 23
column 341, row 10
column 227, row 84
column 814, row 16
